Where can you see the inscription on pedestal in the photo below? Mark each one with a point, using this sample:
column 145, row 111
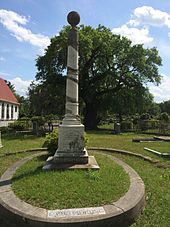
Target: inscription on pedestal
column 76, row 212
column 71, row 139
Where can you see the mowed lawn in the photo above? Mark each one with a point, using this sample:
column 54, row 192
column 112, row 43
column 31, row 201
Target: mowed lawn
column 157, row 180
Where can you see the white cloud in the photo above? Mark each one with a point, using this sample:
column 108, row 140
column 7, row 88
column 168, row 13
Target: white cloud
column 13, row 21
column 162, row 92
column 147, row 15
column 21, row 86
column 137, row 36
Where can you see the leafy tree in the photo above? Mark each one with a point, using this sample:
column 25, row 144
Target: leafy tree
column 47, row 98
column 164, row 117
column 165, row 106
column 131, row 100
column 11, row 86
column 108, row 64
column 24, row 106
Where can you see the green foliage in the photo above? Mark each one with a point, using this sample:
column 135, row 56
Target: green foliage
column 40, row 120
column 165, row 106
column 51, row 141
column 24, row 109
column 5, row 129
column 145, row 116
column 164, row 126
column 109, row 67
column 126, row 125
column 164, row 117
column 19, row 125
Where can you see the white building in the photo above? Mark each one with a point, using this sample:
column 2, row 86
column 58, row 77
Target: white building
column 9, row 106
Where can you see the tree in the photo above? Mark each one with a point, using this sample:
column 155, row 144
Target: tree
column 11, row 86
column 165, row 106
column 108, row 65
column 47, row 98
column 24, row 106
column 131, row 101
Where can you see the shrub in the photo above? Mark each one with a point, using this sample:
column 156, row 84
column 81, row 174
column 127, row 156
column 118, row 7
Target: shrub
column 5, row 129
column 39, row 120
column 164, row 117
column 19, row 125
column 51, row 141
column 126, row 125
column 145, row 116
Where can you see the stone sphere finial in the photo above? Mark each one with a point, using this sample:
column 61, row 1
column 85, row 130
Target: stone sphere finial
column 73, row 18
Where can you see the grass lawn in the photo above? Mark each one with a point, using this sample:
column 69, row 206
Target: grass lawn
column 124, row 142
column 13, row 143
column 70, row 188
column 157, row 180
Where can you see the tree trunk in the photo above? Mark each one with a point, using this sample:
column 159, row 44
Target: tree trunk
column 90, row 118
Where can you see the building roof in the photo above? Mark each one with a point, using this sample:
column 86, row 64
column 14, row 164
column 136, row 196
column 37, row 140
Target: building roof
column 6, row 93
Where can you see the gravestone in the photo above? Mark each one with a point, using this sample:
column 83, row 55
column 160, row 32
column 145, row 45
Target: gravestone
column 117, row 128
column 71, row 149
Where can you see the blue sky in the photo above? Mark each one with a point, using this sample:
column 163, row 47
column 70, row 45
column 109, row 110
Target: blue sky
column 26, row 27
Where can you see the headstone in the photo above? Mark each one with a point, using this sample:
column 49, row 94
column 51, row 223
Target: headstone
column 0, row 140
column 117, row 128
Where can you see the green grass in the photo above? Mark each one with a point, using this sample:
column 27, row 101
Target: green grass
column 157, row 180
column 70, row 188
column 13, row 143
column 124, row 142
column 157, row 186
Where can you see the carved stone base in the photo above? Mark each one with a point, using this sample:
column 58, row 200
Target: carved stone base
column 52, row 165
column 74, row 157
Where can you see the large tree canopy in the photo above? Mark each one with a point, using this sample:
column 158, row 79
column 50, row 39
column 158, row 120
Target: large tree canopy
column 109, row 67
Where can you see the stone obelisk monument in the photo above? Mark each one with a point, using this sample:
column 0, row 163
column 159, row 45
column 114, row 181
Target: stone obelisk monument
column 71, row 131
column 71, row 152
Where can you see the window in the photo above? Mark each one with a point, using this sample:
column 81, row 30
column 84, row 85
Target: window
column 16, row 108
column 2, row 113
column 7, row 111
column 12, row 112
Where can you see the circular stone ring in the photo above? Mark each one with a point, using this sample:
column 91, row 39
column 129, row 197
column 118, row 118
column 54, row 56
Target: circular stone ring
column 16, row 212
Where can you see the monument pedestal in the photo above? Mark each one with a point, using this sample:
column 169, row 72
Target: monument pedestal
column 71, row 145
column 71, row 153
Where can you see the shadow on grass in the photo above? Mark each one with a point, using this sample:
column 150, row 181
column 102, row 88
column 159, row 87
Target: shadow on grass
column 33, row 172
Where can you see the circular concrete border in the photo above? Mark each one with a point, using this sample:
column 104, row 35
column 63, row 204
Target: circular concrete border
column 18, row 213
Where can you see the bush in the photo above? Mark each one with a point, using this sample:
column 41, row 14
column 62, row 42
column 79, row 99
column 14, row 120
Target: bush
column 164, row 117
column 145, row 116
column 5, row 129
column 51, row 141
column 126, row 125
column 145, row 125
column 39, row 120
column 19, row 125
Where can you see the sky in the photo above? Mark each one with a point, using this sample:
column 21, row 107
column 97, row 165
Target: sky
column 26, row 27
